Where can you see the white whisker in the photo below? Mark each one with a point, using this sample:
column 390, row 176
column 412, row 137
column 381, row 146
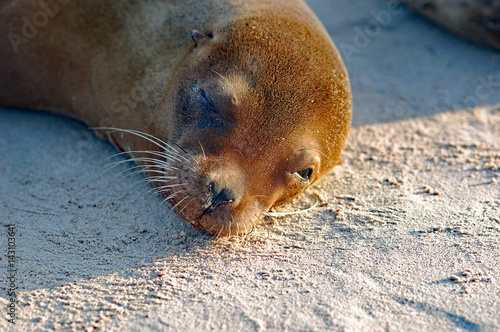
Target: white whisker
column 179, row 202
column 145, row 179
column 161, row 178
column 154, row 153
column 173, row 195
column 220, row 232
column 185, row 206
column 156, row 141
column 142, row 169
column 281, row 214
column 163, row 188
column 152, row 160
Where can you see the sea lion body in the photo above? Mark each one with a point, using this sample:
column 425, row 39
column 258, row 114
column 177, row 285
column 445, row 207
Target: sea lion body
column 243, row 116
column 475, row 20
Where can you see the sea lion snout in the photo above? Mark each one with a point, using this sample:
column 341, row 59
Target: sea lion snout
column 226, row 184
column 213, row 192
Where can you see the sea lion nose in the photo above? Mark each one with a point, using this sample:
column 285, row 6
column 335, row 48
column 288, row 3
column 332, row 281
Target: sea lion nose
column 219, row 196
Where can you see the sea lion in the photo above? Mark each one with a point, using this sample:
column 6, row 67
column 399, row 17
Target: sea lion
column 475, row 20
column 231, row 107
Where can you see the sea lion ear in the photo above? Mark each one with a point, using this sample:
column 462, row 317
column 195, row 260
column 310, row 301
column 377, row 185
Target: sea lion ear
column 200, row 38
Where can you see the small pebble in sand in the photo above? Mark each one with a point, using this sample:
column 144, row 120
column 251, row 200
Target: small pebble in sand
column 393, row 181
column 354, row 206
column 467, row 273
column 348, row 198
column 429, row 190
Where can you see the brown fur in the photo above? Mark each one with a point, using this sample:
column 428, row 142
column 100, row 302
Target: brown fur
column 279, row 97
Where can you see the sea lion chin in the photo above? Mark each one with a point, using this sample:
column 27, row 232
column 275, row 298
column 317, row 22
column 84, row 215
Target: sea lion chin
column 244, row 113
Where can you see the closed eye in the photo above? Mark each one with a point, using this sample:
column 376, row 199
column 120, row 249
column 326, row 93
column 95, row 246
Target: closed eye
column 305, row 174
column 210, row 118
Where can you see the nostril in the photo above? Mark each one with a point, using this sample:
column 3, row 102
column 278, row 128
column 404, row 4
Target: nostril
column 223, row 197
column 219, row 196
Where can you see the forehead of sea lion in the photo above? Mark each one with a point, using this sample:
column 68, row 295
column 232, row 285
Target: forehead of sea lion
column 269, row 85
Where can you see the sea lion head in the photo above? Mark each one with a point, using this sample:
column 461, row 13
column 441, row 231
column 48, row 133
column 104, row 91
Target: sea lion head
column 262, row 113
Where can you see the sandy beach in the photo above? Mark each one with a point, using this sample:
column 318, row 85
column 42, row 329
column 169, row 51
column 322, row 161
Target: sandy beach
column 406, row 236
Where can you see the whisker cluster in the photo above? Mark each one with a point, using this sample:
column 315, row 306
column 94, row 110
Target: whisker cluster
column 159, row 165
